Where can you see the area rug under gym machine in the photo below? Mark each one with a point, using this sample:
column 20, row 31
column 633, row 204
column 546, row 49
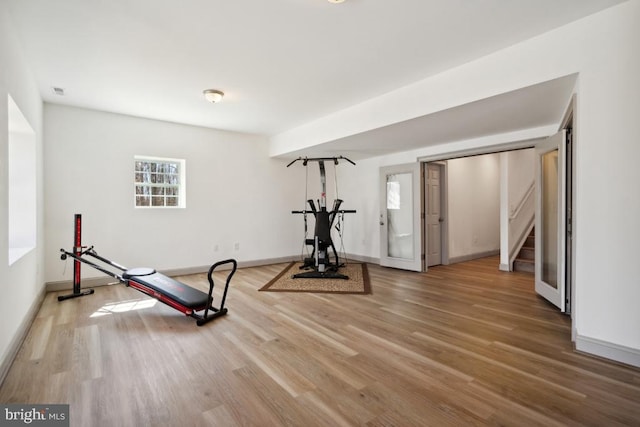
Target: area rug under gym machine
column 358, row 282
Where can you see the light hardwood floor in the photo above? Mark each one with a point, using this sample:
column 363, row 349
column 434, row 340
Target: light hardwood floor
column 460, row 345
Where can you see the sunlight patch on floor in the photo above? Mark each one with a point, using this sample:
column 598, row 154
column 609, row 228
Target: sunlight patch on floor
column 124, row 306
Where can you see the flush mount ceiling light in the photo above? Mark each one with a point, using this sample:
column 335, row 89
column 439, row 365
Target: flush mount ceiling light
column 336, row 1
column 213, row 95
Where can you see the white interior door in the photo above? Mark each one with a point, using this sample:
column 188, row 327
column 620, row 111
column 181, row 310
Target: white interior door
column 434, row 217
column 550, row 233
column 400, row 233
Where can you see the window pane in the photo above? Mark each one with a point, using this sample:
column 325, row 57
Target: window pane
column 157, row 182
column 400, row 216
column 550, row 217
column 143, row 189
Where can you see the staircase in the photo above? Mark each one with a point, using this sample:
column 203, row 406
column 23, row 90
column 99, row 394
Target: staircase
column 525, row 261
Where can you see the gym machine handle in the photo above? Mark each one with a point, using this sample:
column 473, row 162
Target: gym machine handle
column 234, row 266
column 335, row 160
column 314, row 212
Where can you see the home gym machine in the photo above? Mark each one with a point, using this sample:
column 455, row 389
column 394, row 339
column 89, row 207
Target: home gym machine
column 171, row 292
column 319, row 262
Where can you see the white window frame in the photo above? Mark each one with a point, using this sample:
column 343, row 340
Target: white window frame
column 21, row 184
column 146, row 183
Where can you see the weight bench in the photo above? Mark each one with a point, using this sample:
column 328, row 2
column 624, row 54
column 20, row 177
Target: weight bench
column 169, row 291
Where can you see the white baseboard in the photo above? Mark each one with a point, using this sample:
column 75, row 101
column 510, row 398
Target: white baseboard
column 463, row 258
column 20, row 335
column 362, row 258
column 504, row 267
column 93, row 282
column 90, row 282
column 619, row 353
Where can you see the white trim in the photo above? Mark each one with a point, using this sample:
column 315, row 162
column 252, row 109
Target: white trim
column 608, row 350
column 181, row 186
column 527, row 195
column 18, row 338
column 362, row 258
column 93, row 282
column 489, row 144
column 476, row 255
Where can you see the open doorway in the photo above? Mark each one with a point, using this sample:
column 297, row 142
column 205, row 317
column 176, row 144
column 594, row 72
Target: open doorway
column 461, row 205
column 442, row 190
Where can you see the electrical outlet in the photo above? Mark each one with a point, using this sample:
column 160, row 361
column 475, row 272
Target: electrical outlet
column 216, row 248
column 236, row 246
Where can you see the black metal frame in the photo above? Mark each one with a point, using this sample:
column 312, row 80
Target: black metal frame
column 212, row 312
column 320, row 262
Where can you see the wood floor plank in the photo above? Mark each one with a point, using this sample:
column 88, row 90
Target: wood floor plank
column 463, row 344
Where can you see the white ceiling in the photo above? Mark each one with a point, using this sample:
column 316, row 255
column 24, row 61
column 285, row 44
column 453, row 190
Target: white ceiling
column 519, row 116
column 282, row 63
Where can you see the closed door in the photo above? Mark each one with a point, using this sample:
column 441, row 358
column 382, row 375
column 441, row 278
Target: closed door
column 400, row 224
column 434, row 214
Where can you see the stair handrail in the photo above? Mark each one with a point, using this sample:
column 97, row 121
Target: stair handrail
column 523, row 201
column 521, row 222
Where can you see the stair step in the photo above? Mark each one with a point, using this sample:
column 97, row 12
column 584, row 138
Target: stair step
column 524, row 265
column 527, row 253
column 525, row 261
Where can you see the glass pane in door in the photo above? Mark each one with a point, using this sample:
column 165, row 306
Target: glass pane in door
column 550, row 214
column 400, row 216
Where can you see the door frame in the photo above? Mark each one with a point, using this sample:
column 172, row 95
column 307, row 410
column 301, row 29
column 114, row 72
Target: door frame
column 568, row 124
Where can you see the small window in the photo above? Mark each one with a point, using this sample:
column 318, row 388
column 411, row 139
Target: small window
column 159, row 182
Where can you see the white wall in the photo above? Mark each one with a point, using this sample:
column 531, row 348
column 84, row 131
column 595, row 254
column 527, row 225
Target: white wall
column 235, row 193
column 473, row 206
column 521, row 171
column 359, row 188
column 603, row 48
column 21, row 284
